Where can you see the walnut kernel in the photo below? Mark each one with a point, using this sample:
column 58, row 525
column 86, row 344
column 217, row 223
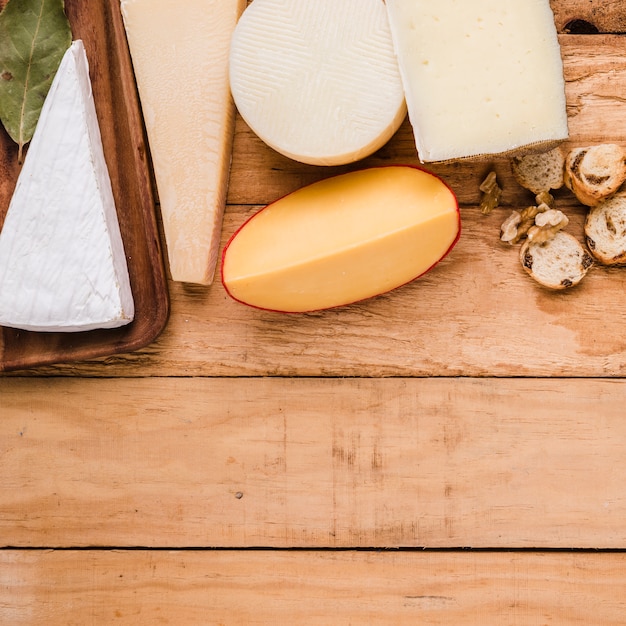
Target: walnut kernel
column 491, row 193
column 547, row 224
column 508, row 230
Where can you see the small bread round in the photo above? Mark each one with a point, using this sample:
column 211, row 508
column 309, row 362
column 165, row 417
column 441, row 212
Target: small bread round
column 605, row 229
column 559, row 263
column 540, row 172
column 595, row 173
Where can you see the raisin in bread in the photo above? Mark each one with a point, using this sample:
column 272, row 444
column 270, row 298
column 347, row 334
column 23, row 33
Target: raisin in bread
column 540, row 172
column 558, row 263
column 595, row 173
column 605, row 228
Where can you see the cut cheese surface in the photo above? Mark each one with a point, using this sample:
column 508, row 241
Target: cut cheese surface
column 180, row 58
column 341, row 240
column 481, row 77
column 62, row 261
column 317, row 80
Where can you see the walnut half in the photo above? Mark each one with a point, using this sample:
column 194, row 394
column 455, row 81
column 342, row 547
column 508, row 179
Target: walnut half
column 547, row 224
column 508, row 230
column 528, row 220
column 491, row 193
column 517, row 225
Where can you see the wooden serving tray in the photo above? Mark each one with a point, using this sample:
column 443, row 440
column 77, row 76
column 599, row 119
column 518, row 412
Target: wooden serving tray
column 100, row 26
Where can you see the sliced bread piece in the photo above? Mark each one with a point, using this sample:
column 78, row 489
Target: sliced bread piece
column 605, row 228
column 540, row 172
column 558, row 263
column 595, row 173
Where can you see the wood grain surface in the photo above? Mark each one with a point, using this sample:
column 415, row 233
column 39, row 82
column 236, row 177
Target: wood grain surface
column 385, row 463
column 314, row 588
column 510, row 326
column 449, row 453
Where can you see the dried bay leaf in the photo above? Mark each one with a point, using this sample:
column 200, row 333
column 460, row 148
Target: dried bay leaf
column 34, row 35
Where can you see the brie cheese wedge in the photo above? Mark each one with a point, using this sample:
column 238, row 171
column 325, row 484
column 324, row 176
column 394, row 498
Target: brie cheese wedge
column 62, row 260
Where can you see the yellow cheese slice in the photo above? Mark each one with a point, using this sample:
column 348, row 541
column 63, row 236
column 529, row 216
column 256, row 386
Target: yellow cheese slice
column 481, row 77
column 342, row 239
column 317, row 80
column 180, row 57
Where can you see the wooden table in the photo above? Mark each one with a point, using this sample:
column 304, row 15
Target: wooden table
column 450, row 453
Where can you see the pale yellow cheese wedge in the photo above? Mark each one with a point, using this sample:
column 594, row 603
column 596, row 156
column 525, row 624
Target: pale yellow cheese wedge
column 180, row 57
column 481, row 77
column 341, row 240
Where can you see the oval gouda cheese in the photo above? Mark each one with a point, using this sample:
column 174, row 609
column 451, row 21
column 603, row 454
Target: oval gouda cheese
column 342, row 240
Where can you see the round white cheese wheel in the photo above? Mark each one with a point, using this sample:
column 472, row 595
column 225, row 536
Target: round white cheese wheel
column 317, row 80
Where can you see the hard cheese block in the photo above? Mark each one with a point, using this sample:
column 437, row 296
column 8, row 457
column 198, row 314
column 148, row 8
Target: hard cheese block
column 180, row 58
column 62, row 261
column 341, row 240
column 481, row 77
column 317, row 80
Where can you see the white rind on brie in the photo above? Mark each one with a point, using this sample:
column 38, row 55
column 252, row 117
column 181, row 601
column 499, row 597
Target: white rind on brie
column 62, row 260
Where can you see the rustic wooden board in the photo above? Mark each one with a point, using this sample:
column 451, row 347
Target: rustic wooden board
column 450, row 463
column 286, row 463
column 595, row 74
column 475, row 314
column 509, row 326
column 377, row 588
column 99, row 25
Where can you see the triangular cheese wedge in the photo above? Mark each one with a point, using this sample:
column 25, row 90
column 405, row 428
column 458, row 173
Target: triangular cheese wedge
column 62, row 261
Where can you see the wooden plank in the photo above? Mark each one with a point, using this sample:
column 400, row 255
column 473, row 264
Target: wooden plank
column 313, row 463
column 147, row 587
column 509, row 326
column 476, row 314
column 595, row 74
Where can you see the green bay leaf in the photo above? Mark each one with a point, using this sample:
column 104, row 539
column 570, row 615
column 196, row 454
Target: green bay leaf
column 34, row 35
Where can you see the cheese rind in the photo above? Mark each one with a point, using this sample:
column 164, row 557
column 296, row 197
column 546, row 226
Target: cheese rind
column 62, row 261
column 341, row 240
column 317, row 80
column 180, row 58
column 481, row 78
